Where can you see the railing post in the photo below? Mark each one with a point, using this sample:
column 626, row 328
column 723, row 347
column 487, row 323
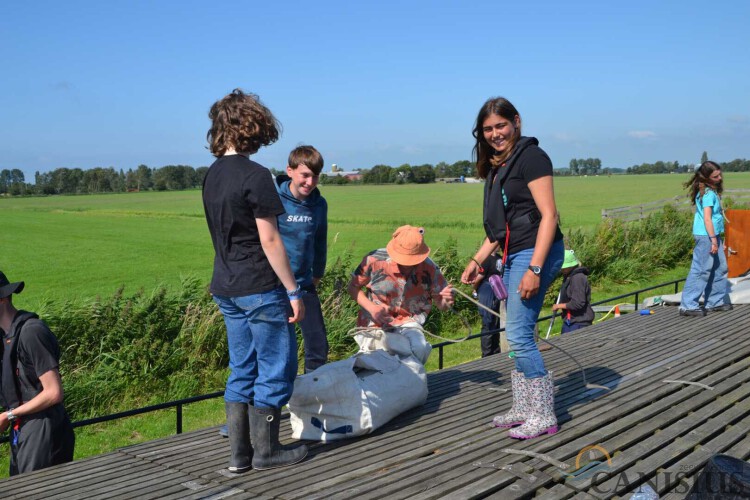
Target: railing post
column 179, row 418
column 636, row 301
column 440, row 358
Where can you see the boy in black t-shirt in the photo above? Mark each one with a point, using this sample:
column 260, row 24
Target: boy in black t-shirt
column 250, row 266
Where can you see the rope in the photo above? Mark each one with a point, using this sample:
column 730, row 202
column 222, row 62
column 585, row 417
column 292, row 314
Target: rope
column 376, row 331
column 371, row 331
column 580, row 367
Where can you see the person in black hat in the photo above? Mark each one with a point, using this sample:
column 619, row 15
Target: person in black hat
column 31, row 391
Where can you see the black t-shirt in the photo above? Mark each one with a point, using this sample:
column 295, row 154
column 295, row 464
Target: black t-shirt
column 38, row 353
column 236, row 191
column 532, row 164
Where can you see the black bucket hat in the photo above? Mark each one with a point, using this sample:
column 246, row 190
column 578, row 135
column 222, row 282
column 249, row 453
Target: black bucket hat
column 7, row 288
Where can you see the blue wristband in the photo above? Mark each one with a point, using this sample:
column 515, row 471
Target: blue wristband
column 295, row 294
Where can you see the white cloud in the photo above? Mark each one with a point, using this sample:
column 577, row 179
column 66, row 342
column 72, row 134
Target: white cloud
column 642, row 134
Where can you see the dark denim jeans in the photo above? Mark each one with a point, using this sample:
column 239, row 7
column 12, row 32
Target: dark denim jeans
column 313, row 331
column 522, row 314
column 262, row 348
column 490, row 343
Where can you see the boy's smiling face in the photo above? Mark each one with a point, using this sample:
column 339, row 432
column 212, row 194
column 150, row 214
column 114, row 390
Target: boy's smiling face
column 304, row 181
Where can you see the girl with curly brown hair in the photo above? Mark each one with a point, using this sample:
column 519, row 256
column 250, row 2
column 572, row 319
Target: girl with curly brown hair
column 250, row 275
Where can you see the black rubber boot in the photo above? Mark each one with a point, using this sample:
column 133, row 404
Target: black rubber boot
column 238, row 424
column 269, row 454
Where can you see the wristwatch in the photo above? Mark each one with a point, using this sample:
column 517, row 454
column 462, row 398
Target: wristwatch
column 10, row 415
column 536, row 270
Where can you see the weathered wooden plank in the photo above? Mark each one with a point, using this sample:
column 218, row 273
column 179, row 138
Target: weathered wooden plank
column 739, row 450
column 560, row 492
column 50, row 483
column 652, row 448
column 131, row 485
column 428, row 453
column 520, row 488
column 72, row 469
column 418, row 481
column 668, row 479
column 646, row 428
column 665, row 389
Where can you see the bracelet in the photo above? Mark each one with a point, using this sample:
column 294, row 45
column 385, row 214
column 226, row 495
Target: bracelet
column 481, row 269
column 10, row 415
column 294, row 294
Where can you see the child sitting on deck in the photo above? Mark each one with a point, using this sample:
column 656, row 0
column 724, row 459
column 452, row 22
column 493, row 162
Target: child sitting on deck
column 400, row 285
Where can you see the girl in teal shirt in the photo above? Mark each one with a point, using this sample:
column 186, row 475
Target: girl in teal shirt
column 708, row 272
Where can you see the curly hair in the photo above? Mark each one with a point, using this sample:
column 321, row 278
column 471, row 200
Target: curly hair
column 701, row 178
column 241, row 122
column 483, row 152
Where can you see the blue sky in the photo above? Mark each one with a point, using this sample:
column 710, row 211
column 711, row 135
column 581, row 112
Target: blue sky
column 87, row 84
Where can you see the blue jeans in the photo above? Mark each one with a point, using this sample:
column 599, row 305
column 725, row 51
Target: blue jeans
column 522, row 314
column 490, row 343
column 707, row 276
column 262, row 348
column 313, row 331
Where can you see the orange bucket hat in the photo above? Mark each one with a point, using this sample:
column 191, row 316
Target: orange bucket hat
column 407, row 247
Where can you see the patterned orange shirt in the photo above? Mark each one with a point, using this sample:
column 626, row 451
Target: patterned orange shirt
column 409, row 296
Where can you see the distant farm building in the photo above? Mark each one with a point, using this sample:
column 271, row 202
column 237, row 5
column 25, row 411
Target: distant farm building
column 337, row 172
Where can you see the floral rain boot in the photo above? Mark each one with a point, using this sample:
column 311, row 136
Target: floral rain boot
column 520, row 408
column 541, row 417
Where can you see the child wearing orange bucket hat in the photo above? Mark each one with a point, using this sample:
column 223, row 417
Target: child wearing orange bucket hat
column 396, row 287
column 575, row 295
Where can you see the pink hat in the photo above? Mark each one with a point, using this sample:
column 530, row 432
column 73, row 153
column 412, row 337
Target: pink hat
column 407, row 246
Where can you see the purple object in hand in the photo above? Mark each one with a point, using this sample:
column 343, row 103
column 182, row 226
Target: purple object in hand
column 498, row 287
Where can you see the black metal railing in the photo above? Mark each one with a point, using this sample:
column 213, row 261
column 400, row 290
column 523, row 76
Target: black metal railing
column 161, row 406
column 178, row 404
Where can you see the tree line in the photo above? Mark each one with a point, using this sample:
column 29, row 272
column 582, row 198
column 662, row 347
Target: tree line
column 103, row 180
column 407, row 174
column 668, row 167
column 178, row 177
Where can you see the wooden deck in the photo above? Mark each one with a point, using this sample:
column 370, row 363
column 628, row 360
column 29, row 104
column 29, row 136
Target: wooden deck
column 653, row 430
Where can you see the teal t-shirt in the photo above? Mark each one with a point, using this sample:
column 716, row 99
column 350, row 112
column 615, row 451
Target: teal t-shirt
column 709, row 199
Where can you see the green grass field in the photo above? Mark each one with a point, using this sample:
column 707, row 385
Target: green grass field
column 77, row 247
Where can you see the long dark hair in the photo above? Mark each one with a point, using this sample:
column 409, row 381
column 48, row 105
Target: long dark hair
column 483, row 152
column 701, row 179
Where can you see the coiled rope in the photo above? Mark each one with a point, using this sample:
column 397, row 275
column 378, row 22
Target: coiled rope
column 580, row 367
column 377, row 332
